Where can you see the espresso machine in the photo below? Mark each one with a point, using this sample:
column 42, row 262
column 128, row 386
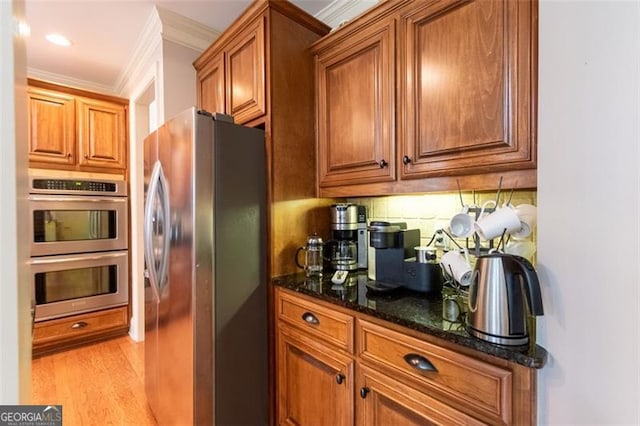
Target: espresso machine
column 348, row 246
column 396, row 264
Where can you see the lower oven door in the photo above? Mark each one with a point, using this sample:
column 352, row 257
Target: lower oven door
column 73, row 284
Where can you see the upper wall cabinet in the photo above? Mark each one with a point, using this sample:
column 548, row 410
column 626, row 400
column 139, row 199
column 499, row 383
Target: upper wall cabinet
column 463, row 77
column 232, row 80
column 76, row 130
column 260, row 71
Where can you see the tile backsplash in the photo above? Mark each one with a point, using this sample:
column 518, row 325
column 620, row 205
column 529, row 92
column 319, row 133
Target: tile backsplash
column 431, row 212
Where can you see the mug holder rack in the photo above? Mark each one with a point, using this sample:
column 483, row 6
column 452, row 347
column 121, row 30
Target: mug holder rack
column 476, row 248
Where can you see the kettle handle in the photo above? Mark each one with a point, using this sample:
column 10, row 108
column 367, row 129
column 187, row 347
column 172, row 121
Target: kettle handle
column 298, row 255
column 528, row 273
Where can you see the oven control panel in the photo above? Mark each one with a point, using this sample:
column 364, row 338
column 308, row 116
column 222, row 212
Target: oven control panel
column 77, row 186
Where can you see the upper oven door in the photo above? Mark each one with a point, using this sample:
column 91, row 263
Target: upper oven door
column 65, row 224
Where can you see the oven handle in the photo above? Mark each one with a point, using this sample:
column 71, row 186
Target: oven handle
column 80, row 198
column 52, row 260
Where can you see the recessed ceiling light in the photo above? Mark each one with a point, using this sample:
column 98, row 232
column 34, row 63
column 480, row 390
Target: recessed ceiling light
column 58, row 39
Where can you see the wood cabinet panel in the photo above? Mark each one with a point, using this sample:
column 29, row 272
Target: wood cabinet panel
column 245, row 71
column 62, row 332
column 211, row 90
column 315, row 386
column 481, row 387
column 51, row 133
column 467, row 95
column 102, row 134
column 74, row 129
column 355, row 96
column 384, row 401
column 331, row 326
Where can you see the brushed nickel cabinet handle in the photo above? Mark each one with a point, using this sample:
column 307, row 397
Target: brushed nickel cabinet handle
column 308, row 317
column 79, row 324
column 419, row 362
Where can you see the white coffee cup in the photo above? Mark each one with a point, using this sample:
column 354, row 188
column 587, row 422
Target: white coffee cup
column 493, row 225
column 461, row 224
column 456, row 264
column 528, row 215
column 525, row 249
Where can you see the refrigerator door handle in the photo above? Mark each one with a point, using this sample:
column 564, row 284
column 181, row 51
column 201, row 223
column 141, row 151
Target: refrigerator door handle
column 166, row 229
column 152, row 193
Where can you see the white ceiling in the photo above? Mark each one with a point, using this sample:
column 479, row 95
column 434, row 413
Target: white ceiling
column 104, row 32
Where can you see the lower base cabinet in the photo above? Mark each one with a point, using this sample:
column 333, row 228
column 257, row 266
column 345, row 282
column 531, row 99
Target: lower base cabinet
column 56, row 334
column 341, row 367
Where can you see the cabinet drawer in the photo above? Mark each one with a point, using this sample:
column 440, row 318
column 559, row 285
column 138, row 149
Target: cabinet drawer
column 333, row 327
column 78, row 327
column 458, row 379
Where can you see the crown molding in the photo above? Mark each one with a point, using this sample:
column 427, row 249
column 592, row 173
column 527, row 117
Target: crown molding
column 162, row 25
column 184, row 31
column 65, row 80
column 340, row 11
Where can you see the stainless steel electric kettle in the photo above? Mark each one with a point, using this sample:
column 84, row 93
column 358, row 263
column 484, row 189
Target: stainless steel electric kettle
column 500, row 285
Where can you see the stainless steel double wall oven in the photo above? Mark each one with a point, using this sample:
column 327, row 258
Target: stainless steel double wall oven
column 79, row 245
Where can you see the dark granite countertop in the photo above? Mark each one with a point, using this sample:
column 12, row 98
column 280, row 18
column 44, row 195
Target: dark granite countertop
column 417, row 311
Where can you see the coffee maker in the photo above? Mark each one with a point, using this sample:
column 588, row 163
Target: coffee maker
column 348, row 246
column 395, row 259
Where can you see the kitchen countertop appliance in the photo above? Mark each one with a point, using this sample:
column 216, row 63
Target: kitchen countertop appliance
column 501, row 286
column 348, row 247
column 395, row 259
column 206, row 357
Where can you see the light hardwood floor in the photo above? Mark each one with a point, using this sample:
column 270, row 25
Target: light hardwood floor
column 98, row 384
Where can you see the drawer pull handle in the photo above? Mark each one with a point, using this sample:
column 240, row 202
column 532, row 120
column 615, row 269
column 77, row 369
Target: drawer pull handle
column 364, row 391
column 79, row 324
column 310, row 318
column 383, row 164
column 340, row 378
column 419, row 362
column 406, row 160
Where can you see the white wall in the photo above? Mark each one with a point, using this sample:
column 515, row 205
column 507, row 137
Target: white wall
column 15, row 322
column 589, row 215
column 179, row 78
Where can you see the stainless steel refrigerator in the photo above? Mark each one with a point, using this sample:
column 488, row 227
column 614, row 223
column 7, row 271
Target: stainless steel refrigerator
column 205, row 272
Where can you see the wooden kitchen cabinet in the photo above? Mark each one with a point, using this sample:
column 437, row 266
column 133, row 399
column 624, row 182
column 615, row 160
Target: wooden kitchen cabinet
column 463, row 76
column 355, row 105
column 52, row 129
column 56, row 334
column 385, row 374
column 74, row 129
column 260, row 71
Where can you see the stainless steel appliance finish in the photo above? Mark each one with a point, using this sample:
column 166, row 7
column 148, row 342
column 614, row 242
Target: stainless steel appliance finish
column 205, row 286
column 348, row 247
column 77, row 283
column 500, row 285
column 79, row 240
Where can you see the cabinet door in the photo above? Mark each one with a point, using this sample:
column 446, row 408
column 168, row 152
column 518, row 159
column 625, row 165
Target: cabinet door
column 245, row 73
column 315, row 384
column 384, row 401
column 355, row 98
column 102, row 134
column 211, row 85
column 51, row 118
column 468, row 87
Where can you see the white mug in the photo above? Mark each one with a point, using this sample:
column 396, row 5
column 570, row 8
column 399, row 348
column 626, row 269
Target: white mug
column 527, row 213
column 457, row 265
column 461, row 224
column 493, row 225
column 525, row 249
